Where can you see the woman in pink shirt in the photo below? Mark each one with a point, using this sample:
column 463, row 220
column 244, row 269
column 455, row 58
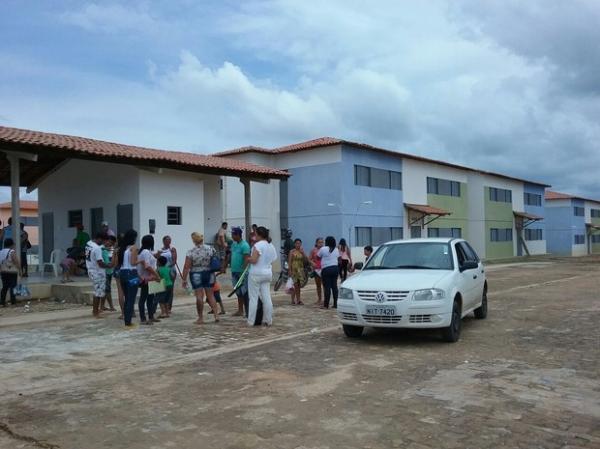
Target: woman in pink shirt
column 345, row 259
column 316, row 261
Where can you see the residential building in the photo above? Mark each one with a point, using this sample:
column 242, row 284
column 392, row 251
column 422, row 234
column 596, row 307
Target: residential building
column 572, row 224
column 370, row 195
column 86, row 181
column 29, row 217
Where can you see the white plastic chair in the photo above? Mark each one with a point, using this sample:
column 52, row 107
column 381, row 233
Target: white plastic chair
column 54, row 262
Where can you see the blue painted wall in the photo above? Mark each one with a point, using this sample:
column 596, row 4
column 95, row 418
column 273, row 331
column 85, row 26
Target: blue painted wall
column 310, row 190
column 323, row 200
column 561, row 227
column 536, row 210
column 387, row 208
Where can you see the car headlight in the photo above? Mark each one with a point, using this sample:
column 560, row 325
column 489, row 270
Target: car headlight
column 429, row 294
column 346, row 293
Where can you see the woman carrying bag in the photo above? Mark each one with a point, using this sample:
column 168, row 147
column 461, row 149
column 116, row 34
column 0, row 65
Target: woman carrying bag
column 10, row 270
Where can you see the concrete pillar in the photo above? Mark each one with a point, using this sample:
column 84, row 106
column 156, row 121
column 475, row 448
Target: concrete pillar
column 15, row 200
column 247, row 207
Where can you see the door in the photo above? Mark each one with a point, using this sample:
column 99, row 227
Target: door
column 47, row 237
column 415, row 232
column 124, row 218
column 468, row 278
column 96, row 218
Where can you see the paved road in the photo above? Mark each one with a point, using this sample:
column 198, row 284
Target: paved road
column 525, row 377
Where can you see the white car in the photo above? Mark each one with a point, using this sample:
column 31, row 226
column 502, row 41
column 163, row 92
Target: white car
column 418, row 283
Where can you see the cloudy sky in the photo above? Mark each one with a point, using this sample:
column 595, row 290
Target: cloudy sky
column 506, row 85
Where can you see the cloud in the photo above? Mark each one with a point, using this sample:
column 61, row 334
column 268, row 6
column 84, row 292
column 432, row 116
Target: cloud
column 504, row 86
column 110, row 18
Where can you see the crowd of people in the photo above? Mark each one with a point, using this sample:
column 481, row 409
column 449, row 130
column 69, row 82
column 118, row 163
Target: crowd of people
column 152, row 272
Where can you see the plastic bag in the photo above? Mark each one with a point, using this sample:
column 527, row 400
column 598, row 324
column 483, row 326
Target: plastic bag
column 289, row 286
column 22, row 291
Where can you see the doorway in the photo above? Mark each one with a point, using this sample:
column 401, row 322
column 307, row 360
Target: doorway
column 47, row 236
column 415, row 232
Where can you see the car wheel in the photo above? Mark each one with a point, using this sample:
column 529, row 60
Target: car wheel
column 353, row 331
column 451, row 334
column 481, row 311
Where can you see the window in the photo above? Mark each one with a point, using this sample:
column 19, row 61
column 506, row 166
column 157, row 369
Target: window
column 580, row 239
column 500, row 195
column 396, row 181
column 501, row 235
column 533, row 199
column 429, row 255
column 362, row 176
column 363, row 236
column 471, row 254
column 75, row 218
column 579, row 211
column 377, row 236
column 173, row 215
column 30, row 221
column 533, row 234
column 443, row 187
column 377, row 177
column 596, row 238
column 595, row 213
column 444, row 232
column 397, row 233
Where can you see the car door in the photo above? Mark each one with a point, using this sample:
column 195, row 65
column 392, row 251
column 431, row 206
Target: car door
column 467, row 277
column 480, row 272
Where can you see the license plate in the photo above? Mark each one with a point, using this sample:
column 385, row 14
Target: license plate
column 381, row 310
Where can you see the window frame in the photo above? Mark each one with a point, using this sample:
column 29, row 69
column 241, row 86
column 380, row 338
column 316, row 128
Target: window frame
column 72, row 220
column 178, row 211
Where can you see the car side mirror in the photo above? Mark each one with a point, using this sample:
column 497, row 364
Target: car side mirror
column 359, row 266
column 469, row 265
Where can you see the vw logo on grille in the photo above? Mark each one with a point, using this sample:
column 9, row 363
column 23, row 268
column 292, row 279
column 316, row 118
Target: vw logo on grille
column 380, row 297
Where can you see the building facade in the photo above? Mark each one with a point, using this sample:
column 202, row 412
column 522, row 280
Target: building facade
column 573, row 224
column 369, row 195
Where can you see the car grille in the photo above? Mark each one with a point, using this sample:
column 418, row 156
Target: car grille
column 377, row 319
column 349, row 316
column 369, row 295
column 419, row 319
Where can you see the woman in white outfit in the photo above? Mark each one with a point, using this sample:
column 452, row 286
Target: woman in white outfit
column 260, row 276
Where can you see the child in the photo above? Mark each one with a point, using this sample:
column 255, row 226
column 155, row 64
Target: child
column 107, row 256
column 217, row 295
column 165, row 298
column 368, row 251
column 68, row 266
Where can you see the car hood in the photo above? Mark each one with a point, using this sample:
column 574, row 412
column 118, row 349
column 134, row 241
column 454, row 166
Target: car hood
column 405, row 279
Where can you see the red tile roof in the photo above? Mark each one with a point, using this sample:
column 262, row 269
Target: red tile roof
column 427, row 210
column 64, row 146
column 25, row 205
column 331, row 141
column 551, row 195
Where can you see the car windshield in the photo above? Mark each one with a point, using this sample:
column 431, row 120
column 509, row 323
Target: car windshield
column 418, row 255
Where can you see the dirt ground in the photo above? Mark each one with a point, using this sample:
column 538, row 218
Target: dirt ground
column 526, row 377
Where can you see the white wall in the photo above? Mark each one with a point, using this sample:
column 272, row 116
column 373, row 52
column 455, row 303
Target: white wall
column 171, row 188
column 307, row 158
column 415, row 174
column 85, row 185
column 580, row 250
column 536, row 247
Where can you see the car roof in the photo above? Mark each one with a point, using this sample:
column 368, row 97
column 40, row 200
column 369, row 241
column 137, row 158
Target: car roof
column 426, row 240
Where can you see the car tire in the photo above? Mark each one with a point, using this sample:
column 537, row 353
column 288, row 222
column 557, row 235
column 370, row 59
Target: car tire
column 451, row 334
column 353, row 331
column 481, row 311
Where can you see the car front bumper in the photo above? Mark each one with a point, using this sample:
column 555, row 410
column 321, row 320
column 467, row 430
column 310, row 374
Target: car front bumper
column 407, row 314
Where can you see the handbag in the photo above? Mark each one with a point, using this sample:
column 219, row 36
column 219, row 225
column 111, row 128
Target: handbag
column 155, row 287
column 7, row 265
column 215, row 264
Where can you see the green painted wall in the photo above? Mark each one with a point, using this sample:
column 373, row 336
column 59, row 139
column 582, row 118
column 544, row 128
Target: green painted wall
column 458, row 205
column 499, row 216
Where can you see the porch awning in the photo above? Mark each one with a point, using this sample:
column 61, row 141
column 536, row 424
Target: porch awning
column 526, row 219
column 592, row 227
column 424, row 210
